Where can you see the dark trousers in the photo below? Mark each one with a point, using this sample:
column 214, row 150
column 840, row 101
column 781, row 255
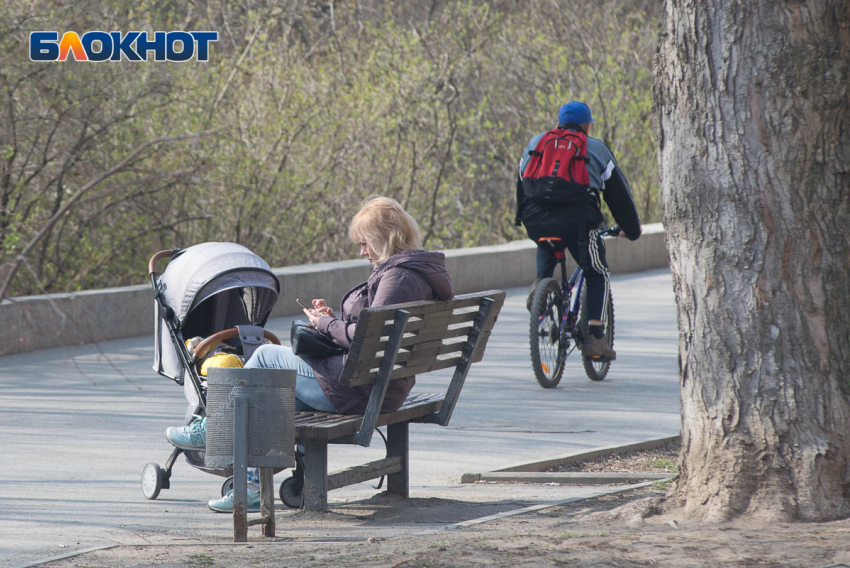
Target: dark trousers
column 588, row 250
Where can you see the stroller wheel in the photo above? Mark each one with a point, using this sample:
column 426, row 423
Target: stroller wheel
column 227, row 486
column 291, row 493
column 151, row 480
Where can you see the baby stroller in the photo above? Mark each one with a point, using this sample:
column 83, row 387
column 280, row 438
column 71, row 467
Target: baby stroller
column 223, row 293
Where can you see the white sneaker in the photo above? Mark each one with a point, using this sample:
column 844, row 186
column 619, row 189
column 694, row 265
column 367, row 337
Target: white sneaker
column 191, row 437
column 225, row 504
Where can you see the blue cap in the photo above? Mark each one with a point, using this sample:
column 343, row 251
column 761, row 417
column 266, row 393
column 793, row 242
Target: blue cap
column 575, row 113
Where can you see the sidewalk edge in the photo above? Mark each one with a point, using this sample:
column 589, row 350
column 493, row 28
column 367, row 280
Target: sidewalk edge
column 543, row 465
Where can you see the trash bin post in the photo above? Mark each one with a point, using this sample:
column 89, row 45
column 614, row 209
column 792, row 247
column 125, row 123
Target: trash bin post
column 240, row 469
column 267, row 500
column 250, row 423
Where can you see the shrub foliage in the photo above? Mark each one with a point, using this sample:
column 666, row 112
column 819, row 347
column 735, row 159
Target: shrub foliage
column 313, row 107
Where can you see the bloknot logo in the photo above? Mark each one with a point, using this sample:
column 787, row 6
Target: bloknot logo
column 117, row 46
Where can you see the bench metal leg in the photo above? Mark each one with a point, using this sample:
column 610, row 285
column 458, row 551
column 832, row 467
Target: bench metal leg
column 397, row 445
column 315, row 476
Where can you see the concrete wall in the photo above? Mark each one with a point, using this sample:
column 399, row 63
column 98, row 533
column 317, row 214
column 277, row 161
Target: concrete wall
column 38, row 322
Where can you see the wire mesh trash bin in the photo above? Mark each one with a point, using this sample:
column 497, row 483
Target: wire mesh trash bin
column 271, row 416
column 250, row 423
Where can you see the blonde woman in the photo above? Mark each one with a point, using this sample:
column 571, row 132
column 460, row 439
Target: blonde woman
column 401, row 272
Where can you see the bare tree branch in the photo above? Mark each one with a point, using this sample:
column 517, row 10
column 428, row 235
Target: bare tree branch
column 233, row 71
column 82, row 191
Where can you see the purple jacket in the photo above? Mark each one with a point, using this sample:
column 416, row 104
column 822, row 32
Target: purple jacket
column 409, row 276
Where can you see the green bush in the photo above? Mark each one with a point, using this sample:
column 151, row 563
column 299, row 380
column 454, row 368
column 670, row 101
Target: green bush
column 313, row 108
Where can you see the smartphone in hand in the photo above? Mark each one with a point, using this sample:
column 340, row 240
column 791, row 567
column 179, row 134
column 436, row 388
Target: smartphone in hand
column 300, row 303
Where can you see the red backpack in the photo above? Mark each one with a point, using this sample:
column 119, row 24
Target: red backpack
column 557, row 170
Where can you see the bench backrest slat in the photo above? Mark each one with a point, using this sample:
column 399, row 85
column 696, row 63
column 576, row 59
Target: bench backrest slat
column 434, row 336
column 448, row 318
column 447, row 363
column 426, row 326
column 418, row 367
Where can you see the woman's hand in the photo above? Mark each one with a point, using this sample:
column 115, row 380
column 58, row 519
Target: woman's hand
column 320, row 309
column 314, row 316
column 323, row 308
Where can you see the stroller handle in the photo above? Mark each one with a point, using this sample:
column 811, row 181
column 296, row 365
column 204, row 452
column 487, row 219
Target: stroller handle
column 205, row 345
column 155, row 257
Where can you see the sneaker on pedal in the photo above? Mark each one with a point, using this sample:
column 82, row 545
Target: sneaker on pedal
column 191, row 437
column 225, row 504
column 597, row 348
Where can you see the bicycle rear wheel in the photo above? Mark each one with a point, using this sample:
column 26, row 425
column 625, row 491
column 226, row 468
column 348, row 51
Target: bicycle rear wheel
column 548, row 349
column 597, row 370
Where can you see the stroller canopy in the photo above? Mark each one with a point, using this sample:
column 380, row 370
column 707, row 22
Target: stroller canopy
column 206, row 269
column 233, row 285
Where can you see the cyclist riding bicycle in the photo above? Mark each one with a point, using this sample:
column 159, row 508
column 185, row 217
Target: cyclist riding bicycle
column 575, row 224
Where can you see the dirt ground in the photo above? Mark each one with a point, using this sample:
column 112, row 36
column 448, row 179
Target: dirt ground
column 659, row 460
column 610, row 531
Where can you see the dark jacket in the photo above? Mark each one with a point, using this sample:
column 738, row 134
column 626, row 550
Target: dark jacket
column 606, row 179
column 409, row 276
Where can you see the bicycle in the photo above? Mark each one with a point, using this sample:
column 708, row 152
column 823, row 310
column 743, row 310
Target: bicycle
column 559, row 318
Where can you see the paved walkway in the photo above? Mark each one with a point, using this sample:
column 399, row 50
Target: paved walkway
column 79, row 423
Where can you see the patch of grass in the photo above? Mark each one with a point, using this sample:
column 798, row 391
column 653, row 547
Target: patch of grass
column 666, row 465
column 201, row 560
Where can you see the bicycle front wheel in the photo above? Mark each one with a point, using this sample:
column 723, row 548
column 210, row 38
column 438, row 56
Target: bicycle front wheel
column 597, row 370
column 548, row 349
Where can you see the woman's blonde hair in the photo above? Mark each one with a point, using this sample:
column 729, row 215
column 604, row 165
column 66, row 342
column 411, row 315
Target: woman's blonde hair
column 385, row 227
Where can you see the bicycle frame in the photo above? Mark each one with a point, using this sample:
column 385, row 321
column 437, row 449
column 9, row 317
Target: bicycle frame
column 576, row 282
column 559, row 328
column 569, row 318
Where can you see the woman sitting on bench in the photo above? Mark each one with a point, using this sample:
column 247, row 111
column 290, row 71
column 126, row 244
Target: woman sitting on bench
column 401, row 272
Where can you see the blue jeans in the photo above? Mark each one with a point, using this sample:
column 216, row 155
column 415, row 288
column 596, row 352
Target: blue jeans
column 308, row 393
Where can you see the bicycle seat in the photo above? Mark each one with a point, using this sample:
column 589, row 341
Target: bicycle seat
column 555, row 243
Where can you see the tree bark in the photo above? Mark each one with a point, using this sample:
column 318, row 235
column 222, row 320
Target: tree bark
column 752, row 112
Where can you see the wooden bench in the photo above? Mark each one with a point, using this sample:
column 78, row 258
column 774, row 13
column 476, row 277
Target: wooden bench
column 392, row 342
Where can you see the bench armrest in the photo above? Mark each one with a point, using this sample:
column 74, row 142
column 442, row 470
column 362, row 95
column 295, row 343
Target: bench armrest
column 379, row 390
column 459, row 378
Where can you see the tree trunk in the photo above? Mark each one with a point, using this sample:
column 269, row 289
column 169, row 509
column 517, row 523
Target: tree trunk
column 753, row 123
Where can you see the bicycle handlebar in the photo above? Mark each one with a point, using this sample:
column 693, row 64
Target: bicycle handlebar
column 612, row 231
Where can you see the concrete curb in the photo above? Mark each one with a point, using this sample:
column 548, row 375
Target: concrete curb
column 56, row 320
column 535, row 472
column 543, row 506
column 573, row 478
column 64, row 556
